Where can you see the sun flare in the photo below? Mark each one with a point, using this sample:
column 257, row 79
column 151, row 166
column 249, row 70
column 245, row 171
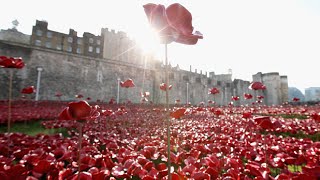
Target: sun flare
column 148, row 41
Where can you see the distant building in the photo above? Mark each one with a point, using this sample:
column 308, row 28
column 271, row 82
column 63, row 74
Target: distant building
column 277, row 87
column 13, row 35
column 312, row 94
column 88, row 45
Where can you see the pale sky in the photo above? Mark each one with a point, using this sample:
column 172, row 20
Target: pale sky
column 247, row 36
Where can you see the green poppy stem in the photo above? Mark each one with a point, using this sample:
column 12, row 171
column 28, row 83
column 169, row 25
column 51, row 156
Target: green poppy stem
column 167, row 107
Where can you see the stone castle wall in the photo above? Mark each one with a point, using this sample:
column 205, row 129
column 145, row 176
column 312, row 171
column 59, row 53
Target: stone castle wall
column 95, row 76
column 71, row 74
column 284, row 89
column 277, row 87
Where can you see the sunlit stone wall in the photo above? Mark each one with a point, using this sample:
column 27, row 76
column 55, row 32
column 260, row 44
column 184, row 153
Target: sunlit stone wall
column 96, row 78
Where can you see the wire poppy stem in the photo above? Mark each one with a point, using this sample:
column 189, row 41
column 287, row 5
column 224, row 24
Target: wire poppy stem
column 10, row 99
column 79, row 151
column 167, row 107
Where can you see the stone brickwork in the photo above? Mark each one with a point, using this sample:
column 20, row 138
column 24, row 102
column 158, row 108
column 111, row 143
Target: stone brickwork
column 88, row 45
column 13, row 35
column 71, row 74
column 284, row 89
column 277, row 87
column 95, row 76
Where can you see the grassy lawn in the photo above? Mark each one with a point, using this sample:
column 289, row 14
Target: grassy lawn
column 285, row 116
column 32, row 128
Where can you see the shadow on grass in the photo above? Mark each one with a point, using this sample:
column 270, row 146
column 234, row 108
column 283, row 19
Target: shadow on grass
column 33, row 128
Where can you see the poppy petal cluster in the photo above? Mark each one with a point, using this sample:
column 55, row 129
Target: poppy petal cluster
column 28, row 90
column 127, row 84
column 214, row 91
column 178, row 113
column 247, row 96
column 257, row 86
column 173, row 23
column 163, row 87
column 235, row 98
column 107, row 112
column 112, row 101
column 11, row 62
column 295, row 99
column 79, row 111
column 260, row 97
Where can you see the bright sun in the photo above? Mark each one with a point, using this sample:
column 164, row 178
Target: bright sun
column 148, row 41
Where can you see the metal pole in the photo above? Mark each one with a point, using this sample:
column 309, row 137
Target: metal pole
column 118, row 90
column 168, row 113
column 10, row 99
column 39, row 69
column 187, row 93
column 206, row 95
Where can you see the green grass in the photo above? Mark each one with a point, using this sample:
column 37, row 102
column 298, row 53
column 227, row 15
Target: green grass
column 32, row 129
column 298, row 135
column 293, row 168
column 293, row 116
column 286, row 116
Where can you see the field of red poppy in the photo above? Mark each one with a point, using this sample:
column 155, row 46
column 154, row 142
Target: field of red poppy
column 130, row 142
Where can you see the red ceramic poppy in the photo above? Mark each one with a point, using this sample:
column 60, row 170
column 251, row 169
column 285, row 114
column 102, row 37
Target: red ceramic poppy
column 178, row 113
column 127, row 84
column 247, row 96
column 163, row 87
column 264, row 122
column 214, row 91
column 260, row 97
column 28, row 90
column 11, row 62
column 112, row 101
column 79, row 111
column 235, row 98
column 177, row 101
column 315, row 116
column 246, row 115
column 295, row 99
column 107, row 112
column 257, row 86
column 217, row 112
column 173, row 23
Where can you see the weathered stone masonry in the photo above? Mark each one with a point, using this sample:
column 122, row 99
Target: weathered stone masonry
column 95, row 76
